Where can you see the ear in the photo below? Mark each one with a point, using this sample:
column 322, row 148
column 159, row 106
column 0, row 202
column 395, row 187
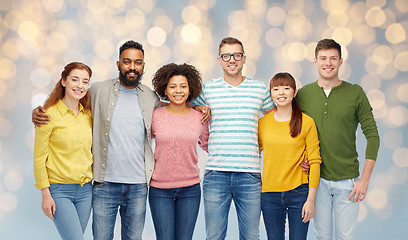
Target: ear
column 341, row 61
column 64, row 82
column 219, row 60
column 117, row 64
column 295, row 93
column 165, row 92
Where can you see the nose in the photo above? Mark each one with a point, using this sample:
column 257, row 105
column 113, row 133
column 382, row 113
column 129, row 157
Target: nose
column 132, row 65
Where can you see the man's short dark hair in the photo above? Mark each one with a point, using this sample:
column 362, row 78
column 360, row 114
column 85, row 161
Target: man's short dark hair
column 230, row 40
column 130, row 44
column 327, row 44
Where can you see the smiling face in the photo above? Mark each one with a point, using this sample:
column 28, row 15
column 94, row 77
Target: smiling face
column 76, row 84
column 130, row 66
column 328, row 63
column 177, row 90
column 232, row 67
column 282, row 95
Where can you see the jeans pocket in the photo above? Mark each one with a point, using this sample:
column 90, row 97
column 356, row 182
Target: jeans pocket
column 207, row 173
column 54, row 186
column 255, row 176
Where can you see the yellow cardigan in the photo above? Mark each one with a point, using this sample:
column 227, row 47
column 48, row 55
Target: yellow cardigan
column 62, row 148
column 282, row 154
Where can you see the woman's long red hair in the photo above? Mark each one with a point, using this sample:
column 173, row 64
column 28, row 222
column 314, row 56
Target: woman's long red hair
column 285, row 79
column 59, row 91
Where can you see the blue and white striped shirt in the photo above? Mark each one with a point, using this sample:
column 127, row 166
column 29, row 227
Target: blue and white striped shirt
column 233, row 142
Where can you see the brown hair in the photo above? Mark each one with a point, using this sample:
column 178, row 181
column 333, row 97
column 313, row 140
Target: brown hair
column 162, row 76
column 230, row 40
column 327, row 44
column 59, row 90
column 285, row 79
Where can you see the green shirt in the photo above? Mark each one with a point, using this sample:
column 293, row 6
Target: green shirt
column 336, row 118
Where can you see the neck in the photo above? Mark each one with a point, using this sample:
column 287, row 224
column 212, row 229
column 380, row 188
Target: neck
column 179, row 109
column 234, row 80
column 328, row 84
column 72, row 104
column 283, row 114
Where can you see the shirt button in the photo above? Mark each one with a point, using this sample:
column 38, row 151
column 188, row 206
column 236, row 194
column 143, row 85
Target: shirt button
column 104, row 149
column 325, row 112
column 112, row 104
column 106, row 134
column 325, row 103
column 108, row 119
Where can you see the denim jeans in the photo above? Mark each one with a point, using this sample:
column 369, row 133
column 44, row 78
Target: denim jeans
column 175, row 211
column 73, row 208
column 275, row 207
column 131, row 201
column 219, row 189
column 332, row 203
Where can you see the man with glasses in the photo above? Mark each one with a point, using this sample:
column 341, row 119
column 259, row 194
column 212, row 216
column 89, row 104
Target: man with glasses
column 233, row 166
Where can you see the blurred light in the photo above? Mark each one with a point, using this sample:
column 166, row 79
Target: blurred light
column 7, row 69
column 6, row 5
column 238, row 19
column 53, row 5
column 146, row 6
column 401, row 61
column 38, row 100
column 376, row 3
column 97, row 6
column 373, row 67
column 377, row 198
column 345, row 71
column 337, row 19
column 402, row 92
column 68, row 28
column 3, row 88
column 156, row 36
column 370, row 82
column 385, row 212
column 190, row 33
column 135, row 18
column 383, row 55
column 392, row 139
column 165, row 23
column 389, row 18
column 8, row 202
column 275, row 16
column 40, row 78
column 256, row 7
column 297, row 51
column 376, row 98
column 357, row 11
column 401, row 5
column 375, row 16
column 298, row 26
column 395, row 33
column 101, row 68
column 389, row 72
column 398, row 116
column 249, row 69
column 57, row 42
column 13, row 181
column 5, row 127
column 364, row 34
column 9, row 48
column 397, row 175
column 27, row 49
column 28, row 31
column 118, row 4
column 400, row 157
column 362, row 213
column 310, row 51
column 191, row 14
column 118, row 28
column 343, row 36
column 275, row 37
column 104, row 49
column 330, row 5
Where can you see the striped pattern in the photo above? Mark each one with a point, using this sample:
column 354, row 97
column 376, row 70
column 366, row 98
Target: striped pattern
column 233, row 142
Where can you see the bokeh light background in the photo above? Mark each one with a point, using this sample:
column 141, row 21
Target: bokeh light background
column 37, row 38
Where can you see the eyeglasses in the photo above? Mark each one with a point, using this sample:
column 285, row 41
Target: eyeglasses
column 226, row 56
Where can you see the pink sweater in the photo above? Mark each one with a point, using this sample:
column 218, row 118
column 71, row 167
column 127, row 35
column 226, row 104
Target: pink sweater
column 176, row 153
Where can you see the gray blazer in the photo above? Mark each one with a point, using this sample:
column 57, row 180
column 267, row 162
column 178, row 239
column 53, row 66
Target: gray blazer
column 103, row 100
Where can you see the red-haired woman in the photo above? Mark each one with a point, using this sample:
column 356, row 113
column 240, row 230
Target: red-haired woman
column 288, row 137
column 62, row 153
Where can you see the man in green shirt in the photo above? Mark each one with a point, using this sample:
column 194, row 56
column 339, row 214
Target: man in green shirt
column 337, row 107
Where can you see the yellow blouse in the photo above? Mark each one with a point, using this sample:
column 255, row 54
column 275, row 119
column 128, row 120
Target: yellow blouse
column 62, row 148
column 283, row 154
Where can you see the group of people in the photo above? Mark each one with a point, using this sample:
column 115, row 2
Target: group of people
column 105, row 135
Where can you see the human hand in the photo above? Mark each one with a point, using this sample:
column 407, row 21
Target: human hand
column 305, row 165
column 359, row 191
column 48, row 204
column 307, row 211
column 206, row 110
column 38, row 117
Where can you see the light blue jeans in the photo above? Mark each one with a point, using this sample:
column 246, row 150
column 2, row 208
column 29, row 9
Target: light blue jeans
column 131, row 201
column 219, row 189
column 332, row 203
column 73, row 208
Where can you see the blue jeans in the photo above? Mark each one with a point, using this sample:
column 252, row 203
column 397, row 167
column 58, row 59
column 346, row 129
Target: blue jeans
column 332, row 203
column 131, row 201
column 219, row 189
column 275, row 206
column 73, row 208
column 175, row 211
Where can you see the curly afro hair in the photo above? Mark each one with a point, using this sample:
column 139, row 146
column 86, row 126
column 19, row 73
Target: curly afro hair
column 162, row 76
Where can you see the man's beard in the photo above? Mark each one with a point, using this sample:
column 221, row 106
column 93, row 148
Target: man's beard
column 130, row 82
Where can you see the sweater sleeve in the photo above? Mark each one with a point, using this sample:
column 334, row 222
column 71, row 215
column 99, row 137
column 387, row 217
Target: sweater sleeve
column 368, row 126
column 203, row 139
column 313, row 153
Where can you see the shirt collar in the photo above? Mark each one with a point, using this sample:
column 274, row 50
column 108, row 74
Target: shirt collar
column 64, row 109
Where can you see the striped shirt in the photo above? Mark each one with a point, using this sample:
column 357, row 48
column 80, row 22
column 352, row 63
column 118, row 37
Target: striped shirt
column 233, row 142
